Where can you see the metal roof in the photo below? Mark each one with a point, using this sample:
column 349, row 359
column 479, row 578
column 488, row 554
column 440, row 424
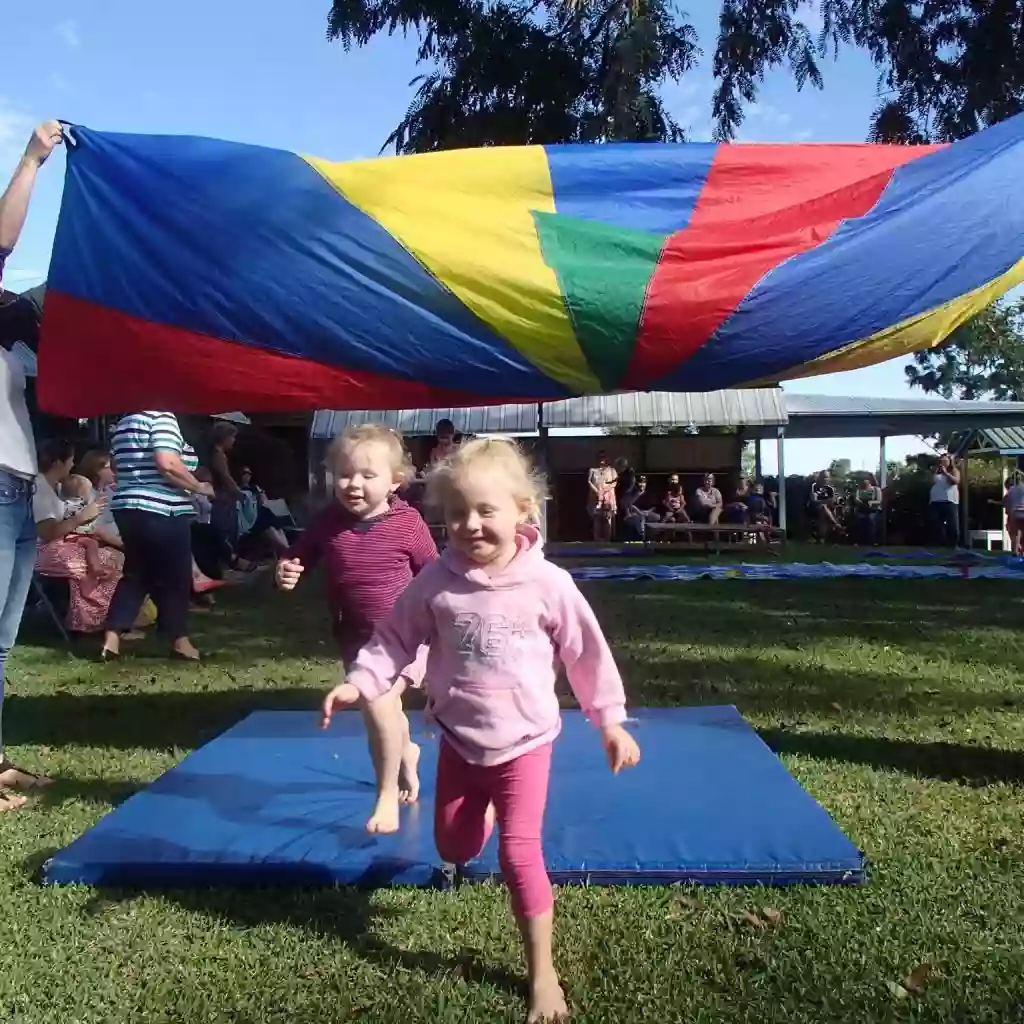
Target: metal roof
column 1005, row 440
column 750, row 408
column 826, row 416
column 486, row 419
column 760, row 410
column 756, row 407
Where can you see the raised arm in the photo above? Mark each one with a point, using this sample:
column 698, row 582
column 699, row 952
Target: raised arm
column 14, row 202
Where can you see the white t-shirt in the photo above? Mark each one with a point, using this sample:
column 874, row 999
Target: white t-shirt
column 46, row 503
column 17, row 448
column 943, row 489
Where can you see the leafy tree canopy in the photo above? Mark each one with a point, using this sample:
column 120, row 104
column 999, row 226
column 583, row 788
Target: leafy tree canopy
column 545, row 71
column 982, row 359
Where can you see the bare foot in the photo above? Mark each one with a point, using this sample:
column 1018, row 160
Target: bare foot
column 547, row 1001
column 408, row 776
column 385, row 815
column 11, row 801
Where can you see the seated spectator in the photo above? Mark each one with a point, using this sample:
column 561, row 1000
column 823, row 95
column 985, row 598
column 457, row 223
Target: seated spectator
column 707, row 502
column 638, row 510
column 673, row 504
column 758, row 508
column 736, row 509
column 258, row 525
column 92, row 569
column 822, row 505
column 210, row 550
column 867, row 511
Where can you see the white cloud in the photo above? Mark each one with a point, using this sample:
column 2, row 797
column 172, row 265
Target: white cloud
column 59, row 83
column 69, row 34
column 15, row 128
column 769, row 114
column 803, row 136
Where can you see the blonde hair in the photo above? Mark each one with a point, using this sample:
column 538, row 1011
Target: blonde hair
column 373, row 433
column 528, row 484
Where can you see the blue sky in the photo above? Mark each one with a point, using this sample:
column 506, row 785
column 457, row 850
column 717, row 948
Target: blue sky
column 248, row 71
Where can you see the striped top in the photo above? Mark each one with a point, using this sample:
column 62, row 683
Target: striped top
column 367, row 562
column 140, row 484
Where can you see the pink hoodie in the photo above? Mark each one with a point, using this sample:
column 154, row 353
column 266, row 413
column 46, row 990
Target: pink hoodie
column 495, row 646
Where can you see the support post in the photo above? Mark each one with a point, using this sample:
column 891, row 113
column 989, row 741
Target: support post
column 782, row 479
column 1003, row 475
column 757, row 459
column 965, row 540
column 883, row 483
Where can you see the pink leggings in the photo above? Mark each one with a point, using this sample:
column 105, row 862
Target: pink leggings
column 519, row 791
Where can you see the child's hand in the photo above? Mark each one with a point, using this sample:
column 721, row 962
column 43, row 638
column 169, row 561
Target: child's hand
column 340, row 697
column 623, row 751
column 288, row 573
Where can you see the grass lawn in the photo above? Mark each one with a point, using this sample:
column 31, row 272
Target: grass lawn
column 899, row 705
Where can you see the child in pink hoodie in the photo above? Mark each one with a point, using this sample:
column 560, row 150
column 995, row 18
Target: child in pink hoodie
column 498, row 618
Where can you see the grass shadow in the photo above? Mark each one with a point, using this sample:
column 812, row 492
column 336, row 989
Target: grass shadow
column 346, row 914
column 949, row 762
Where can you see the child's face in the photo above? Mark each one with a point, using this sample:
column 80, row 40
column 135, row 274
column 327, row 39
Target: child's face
column 364, row 479
column 759, row 488
column 483, row 514
column 674, row 479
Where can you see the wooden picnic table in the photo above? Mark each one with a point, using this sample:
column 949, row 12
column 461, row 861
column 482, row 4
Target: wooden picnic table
column 712, row 536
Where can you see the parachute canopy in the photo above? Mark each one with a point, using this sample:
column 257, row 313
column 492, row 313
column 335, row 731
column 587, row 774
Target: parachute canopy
column 194, row 274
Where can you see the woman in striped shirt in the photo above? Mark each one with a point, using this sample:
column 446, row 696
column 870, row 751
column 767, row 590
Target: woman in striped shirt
column 153, row 509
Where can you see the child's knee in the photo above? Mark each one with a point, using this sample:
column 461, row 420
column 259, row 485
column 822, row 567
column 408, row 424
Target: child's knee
column 457, row 846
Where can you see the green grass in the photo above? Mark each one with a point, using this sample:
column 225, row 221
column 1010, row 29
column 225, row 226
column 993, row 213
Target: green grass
column 899, row 705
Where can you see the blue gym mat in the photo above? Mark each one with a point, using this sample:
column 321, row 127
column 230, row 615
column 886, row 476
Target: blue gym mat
column 792, row 571
column 276, row 801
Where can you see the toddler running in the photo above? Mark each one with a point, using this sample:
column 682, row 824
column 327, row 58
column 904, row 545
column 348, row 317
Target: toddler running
column 372, row 544
column 498, row 617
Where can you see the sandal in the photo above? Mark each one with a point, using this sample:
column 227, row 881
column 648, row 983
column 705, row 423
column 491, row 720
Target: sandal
column 13, row 777
column 11, row 801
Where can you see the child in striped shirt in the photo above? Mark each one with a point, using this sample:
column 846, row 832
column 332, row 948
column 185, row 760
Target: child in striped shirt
column 372, row 544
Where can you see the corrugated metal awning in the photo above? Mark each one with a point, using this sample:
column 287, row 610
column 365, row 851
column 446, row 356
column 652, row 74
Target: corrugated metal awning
column 485, row 419
column 826, row 416
column 759, row 407
column 1007, row 440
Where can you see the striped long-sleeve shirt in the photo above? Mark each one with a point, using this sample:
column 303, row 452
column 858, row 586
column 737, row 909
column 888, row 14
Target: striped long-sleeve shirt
column 367, row 562
column 140, row 484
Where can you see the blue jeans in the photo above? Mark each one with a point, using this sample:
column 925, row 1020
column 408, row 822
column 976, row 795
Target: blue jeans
column 946, row 522
column 17, row 562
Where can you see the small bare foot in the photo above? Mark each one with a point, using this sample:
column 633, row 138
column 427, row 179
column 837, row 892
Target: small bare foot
column 11, row 801
column 547, row 1001
column 385, row 815
column 408, row 776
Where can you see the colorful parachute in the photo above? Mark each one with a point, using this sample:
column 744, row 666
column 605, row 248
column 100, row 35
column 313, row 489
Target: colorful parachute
column 194, row 275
